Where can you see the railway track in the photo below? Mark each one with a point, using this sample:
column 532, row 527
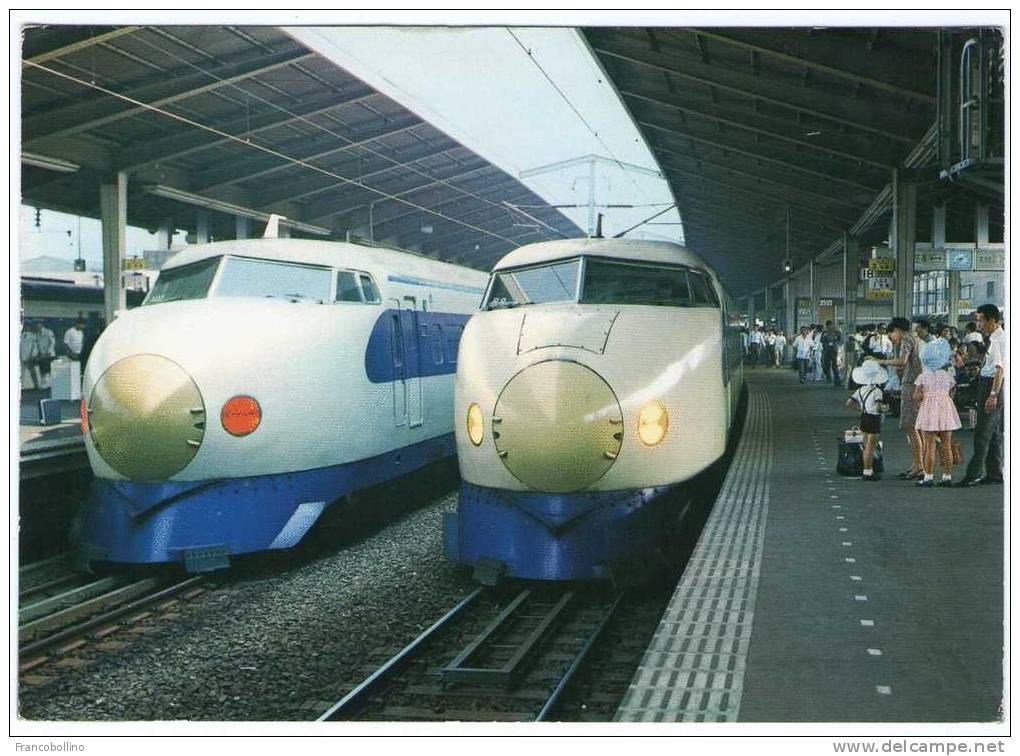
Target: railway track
column 496, row 656
column 61, row 611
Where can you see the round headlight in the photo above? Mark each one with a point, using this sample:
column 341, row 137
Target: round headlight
column 653, row 422
column 240, row 415
column 475, row 424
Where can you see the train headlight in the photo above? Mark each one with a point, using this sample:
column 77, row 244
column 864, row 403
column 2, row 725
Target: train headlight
column 475, row 424
column 653, row 422
column 240, row 415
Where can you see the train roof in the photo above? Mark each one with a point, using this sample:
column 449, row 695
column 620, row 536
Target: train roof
column 621, row 249
column 316, row 252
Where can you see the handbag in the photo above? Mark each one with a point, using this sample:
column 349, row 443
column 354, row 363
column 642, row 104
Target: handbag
column 957, row 452
column 853, row 435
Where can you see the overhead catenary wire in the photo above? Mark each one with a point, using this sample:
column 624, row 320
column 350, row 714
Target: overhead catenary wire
column 574, row 108
column 267, row 150
column 303, row 119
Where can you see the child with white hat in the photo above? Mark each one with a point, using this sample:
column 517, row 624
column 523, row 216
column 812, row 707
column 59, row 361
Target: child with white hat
column 870, row 377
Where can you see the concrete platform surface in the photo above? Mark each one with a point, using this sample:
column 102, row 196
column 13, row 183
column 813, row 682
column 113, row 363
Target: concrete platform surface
column 814, row 597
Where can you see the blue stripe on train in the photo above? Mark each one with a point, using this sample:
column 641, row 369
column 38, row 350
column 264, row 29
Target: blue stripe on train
column 427, row 345
column 138, row 522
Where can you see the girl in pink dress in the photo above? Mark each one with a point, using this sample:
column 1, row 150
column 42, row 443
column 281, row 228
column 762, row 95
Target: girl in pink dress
column 937, row 417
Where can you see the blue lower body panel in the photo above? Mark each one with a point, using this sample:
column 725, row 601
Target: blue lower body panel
column 544, row 536
column 139, row 522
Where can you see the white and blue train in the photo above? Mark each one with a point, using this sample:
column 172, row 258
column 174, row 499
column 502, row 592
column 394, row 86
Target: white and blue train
column 598, row 375
column 260, row 381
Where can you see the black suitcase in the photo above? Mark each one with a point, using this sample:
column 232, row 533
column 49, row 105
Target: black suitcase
column 851, row 459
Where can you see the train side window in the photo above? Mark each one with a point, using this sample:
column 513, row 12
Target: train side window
column 396, row 341
column 369, row 289
column 347, row 287
column 437, row 343
column 453, row 342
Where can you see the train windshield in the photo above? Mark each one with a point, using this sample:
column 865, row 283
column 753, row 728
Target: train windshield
column 186, row 282
column 554, row 282
column 250, row 277
column 623, row 283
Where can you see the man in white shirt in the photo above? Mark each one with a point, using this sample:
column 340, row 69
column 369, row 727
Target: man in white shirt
column 803, row 346
column 29, row 353
column 780, row 348
column 757, row 343
column 985, row 465
column 74, row 339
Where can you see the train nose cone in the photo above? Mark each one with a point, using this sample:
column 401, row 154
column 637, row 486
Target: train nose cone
column 557, row 426
column 146, row 417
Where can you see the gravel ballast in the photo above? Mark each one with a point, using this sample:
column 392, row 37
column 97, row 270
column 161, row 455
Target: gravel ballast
column 273, row 637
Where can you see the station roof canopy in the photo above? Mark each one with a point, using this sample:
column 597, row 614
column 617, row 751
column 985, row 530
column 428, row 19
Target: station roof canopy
column 247, row 121
column 749, row 124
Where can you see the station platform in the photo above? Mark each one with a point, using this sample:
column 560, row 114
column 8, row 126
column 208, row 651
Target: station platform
column 813, row 597
column 47, row 449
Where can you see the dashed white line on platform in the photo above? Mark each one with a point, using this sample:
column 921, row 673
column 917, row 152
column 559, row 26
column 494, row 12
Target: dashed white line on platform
column 851, row 560
column 883, row 690
column 856, row 577
column 874, row 652
column 868, row 623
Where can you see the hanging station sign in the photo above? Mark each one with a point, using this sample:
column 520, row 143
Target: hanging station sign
column 990, row 258
column 929, row 260
column 959, row 258
column 805, row 311
column 882, row 264
column 880, row 287
column 830, row 302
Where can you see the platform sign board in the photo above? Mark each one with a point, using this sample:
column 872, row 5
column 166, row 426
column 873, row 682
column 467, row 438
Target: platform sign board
column 928, row 260
column 880, row 287
column 805, row 311
column 830, row 302
column 990, row 258
column 134, row 263
column 882, row 264
column 959, row 258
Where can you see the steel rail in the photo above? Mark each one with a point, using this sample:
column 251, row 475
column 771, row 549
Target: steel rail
column 355, row 698
column 102, row 619
column 578, row 661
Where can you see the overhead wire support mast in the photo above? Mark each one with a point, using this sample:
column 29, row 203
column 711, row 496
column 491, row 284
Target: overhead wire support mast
column 267, row 150
column 591, row 161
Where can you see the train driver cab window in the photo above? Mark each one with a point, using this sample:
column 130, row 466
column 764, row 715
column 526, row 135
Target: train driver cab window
column 553, row 282
column 347, row 287
column 186, row 282
column 611, row 282
column 369, row 289
column 701, row 289
column 251, row 277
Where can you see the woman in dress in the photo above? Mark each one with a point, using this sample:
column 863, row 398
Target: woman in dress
column 937, row 417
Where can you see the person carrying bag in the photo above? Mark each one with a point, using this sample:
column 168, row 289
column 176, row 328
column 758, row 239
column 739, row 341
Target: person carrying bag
column 871, row 377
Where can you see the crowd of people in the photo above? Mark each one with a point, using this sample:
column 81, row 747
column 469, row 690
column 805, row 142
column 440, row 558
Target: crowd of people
column 38, row 350
column 928, row 368
column 931, row 372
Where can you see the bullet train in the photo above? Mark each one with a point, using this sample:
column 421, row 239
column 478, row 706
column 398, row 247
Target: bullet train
column 260, row 381
column 598, row 375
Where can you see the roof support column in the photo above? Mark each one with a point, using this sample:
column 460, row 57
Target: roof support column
column 165, row 234
column 903, row 236
column 201, row 227
column 750, row 311
column 851, row 274
column 791, row 313
column 938, row 239
column 242, row 227
column 113, row 215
